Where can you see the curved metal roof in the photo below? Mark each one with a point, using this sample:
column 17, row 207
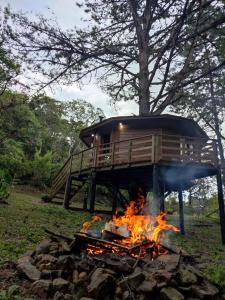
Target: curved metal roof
column 180, row 125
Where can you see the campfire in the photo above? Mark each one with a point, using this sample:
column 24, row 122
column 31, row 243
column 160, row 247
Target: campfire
column 122, row 262
column 133, row 233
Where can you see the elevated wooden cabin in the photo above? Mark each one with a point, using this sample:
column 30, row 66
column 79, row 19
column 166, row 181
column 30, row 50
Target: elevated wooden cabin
column 160, row 153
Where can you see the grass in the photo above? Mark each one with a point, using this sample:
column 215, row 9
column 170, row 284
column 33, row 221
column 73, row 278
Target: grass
column 22, row 222
column 204, row 242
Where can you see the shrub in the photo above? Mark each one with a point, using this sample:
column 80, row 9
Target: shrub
column 4, row 184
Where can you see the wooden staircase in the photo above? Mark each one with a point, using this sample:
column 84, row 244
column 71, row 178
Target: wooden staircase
column 59, row 187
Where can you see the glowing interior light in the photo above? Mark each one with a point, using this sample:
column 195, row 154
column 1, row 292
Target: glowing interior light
column 121, row 125
column 92, row 135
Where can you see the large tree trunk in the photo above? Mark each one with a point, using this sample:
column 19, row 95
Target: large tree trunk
column 142, row 26
column 144, row 94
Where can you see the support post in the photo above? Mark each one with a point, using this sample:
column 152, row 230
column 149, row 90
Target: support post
column 114, row 199
column 66, row 199
column 85, row 199
column 181, row 211
column 92, row 192
column 162, row 202
column 155, row 190
column 221, row 205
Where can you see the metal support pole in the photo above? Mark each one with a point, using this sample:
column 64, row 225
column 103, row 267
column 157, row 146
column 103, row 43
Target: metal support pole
column 162, row 197
column 114, row 199
column 181, row 211
column 221, row 205
column 92, row 192
column 85, row 198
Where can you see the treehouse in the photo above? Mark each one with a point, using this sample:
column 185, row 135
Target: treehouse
column 159, row 153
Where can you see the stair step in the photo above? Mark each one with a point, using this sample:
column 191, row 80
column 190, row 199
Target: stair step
column 59, row 197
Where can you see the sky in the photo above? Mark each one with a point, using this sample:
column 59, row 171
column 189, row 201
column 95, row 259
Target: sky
column 68, row 16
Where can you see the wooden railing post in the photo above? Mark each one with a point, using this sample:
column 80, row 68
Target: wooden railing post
column 153, row 149
column 130, row 152
column 113, row 154
column 96, row 157
column 81, row 161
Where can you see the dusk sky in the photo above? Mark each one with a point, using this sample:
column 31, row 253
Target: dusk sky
column 68, row 16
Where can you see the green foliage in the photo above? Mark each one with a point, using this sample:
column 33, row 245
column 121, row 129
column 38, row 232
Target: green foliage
column 38, row 134
column 4, row 185
column 12, row 294
column 42, row 169
column 46, row 198
column 171, row 205
column 218, row 276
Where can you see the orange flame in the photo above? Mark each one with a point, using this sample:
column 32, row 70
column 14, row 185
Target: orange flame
column 87, row 224
column 141, row 227
column 136, row 228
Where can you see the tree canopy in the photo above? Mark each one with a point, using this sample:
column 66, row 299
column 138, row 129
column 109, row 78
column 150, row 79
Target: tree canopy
column 133, row 47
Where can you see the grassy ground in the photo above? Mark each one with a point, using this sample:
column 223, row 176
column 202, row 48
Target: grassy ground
column 22, row 222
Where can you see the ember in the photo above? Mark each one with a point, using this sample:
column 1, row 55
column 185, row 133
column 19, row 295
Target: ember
column 133, row 233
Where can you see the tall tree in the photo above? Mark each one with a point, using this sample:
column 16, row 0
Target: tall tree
column 131, row 45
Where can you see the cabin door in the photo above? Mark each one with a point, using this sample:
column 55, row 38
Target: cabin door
column 105, row 149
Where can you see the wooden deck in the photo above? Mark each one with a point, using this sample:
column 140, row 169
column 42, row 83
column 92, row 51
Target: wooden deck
column 143, row 151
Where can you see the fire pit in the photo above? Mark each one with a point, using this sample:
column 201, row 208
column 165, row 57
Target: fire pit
column 125, row 261
column 131, row 233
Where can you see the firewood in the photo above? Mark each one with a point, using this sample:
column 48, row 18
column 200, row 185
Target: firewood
column 58, row 236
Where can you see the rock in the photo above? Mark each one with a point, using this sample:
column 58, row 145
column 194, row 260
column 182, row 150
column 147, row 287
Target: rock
column 195, row 271
column 47, row 258
column 41, row 288
column 119, row 291
column 82, row 276
column 85, row 266
column 126, row 295
column 30, row 271
column 206, row 290
column 169, row 293
column 68, row 297
column 171, row 261
column 64, row 247
column 147, row 286
column 43, row 247
column 60, row 284
column 54, row 246
column 186, row 277
column 46, row 274
column 58, row 296
column 162, row 276
column 65, row 262
column 118, row 265
column 75, row 276
column 134, row 280
column 102, row 284
column 86, row 298
column 25, row 259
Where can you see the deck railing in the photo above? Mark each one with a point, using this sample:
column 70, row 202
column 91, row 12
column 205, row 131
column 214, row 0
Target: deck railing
column 146, row 149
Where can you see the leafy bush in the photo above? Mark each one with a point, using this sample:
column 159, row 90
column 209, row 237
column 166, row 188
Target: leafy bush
column 218, row 276
column 42, row 169
column 46, row 198
column 4, row 184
